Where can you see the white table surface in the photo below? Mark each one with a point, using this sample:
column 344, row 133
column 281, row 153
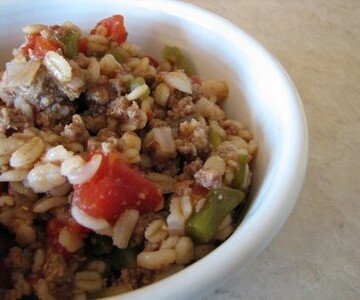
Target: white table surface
column 317, row 253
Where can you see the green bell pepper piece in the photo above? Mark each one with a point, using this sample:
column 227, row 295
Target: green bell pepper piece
column 70, row 41
column 214, row 138
column 203, row 225
column 240, row 173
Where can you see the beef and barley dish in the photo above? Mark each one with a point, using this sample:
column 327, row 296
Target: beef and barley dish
column 116, row 169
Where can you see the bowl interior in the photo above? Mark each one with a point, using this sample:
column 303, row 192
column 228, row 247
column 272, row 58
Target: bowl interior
column 261, row 96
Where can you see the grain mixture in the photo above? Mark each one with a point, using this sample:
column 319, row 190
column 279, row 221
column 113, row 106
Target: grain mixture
column 116, row 170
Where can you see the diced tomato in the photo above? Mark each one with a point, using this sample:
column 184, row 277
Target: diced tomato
column 39, row 45
column 115, row 28
column 83, row 45
column 30, row 44
column 114, row 188
column 75, row 227
column 43, row 45
column 54, row 226
column 153, row 61
column 195, row 79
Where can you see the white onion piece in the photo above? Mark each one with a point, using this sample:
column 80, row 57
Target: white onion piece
column 178, row 80
column 20, row 73
column 87, row 221
column 78, row 172
column 165, row 141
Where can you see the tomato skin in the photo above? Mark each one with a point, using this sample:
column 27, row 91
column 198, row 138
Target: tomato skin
column 114, row 188
column 115, row 28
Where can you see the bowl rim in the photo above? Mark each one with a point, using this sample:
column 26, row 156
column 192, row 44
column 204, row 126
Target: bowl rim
column 267, row 219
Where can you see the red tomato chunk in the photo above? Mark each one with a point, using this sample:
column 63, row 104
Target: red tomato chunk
column 39, row 45
column 115, row 28
column 114, row 188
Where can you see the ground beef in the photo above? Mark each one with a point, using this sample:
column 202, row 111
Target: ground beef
column 55, row 115
column 231, row 127
column 10, row 118
column 193, row 138
column 117, row 108
column 54, row 267
column 76, row 131
column 104, row 145
column 95, row 117
column 174, row 98
column 136, row 276
column 169, row 167
column 117, row 87
column 16, row 260
column 196, row 91
column 144, row 221
column 159, row 112
column 98, row 94
column 134, row 118
column 190, row 168
column 182, row 108
column 58, row 276
column 155, row 123
column 21, row 287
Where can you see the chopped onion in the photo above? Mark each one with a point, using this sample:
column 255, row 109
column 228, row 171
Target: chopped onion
column 162, row 141
column 87, row 221
column 20, row 73
column 178, row 80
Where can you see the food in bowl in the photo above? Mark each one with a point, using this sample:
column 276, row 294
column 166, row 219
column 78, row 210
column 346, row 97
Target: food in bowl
column 117, row 170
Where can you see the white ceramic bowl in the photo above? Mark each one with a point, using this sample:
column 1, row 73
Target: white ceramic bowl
column 261, row 95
